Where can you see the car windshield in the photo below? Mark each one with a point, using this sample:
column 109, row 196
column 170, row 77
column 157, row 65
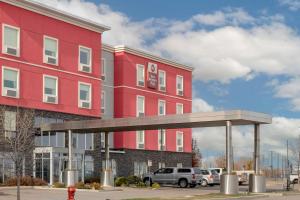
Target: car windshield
column 204, row 172
column 213, row 172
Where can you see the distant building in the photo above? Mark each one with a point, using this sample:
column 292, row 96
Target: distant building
column 56, row 64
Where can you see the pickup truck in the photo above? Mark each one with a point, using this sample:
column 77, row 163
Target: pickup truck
column 294, row 178
column 183, row 177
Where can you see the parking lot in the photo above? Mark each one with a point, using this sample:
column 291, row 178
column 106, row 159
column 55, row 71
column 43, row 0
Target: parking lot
column 129, row 193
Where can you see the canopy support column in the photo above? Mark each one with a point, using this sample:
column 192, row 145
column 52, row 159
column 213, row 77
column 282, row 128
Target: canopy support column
column 229, row 181
column 257, row 182
column 107, row 175
column 71, row 174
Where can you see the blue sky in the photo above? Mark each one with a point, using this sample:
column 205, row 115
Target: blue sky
column 245, row 54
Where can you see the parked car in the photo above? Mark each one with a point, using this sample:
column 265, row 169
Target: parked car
column 220, row 171
column 183, row 177
column 242, row 178
column 294, row 178
column 209, row 177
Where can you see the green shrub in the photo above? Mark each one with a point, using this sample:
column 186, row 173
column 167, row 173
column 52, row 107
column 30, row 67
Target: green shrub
column 140, row 184
column 58, row 185
column 155, row 186
column 133, row 180
column 121, row 181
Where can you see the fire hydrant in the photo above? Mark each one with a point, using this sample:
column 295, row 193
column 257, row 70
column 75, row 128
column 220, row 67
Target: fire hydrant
column 71, row 193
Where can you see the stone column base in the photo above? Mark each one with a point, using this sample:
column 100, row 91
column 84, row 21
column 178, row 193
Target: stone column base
column 257, row 183
column 70, row 177
column 229, row 184
column 107, row 178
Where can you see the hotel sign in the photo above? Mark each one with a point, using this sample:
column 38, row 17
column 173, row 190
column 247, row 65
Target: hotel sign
column 152, row 75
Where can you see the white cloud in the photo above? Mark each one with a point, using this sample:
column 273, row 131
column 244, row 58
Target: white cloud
column 200, row 105
column 293, row 5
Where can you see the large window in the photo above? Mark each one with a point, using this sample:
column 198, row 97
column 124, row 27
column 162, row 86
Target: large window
column 10, row 119
column 52, row 139
column 83, row 141
column 140, row 75
column 50, row 50
column 179, row 108
column 140, row 168
column 179, row 141
column 179, row 85
column 11, row 40
column 102, row 102
column 162, row 80
column 84, row 95
column 10, row 82
column 85, row 59
column 50, row 89
column 140, row 106
column 140, row 138
column 161, row 107
column 162, row 139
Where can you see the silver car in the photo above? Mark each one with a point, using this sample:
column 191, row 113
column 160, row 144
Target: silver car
column 183, row 177
column 209, row 177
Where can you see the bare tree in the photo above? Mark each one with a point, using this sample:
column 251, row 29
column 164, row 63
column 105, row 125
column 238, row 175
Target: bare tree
column 196, row 154
column 220, row 161
column 17, row 128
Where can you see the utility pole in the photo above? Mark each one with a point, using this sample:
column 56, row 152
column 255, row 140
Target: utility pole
column 272, row 175
column 288, row 166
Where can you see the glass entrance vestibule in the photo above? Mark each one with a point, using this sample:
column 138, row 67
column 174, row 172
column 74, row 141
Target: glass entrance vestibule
column 51, row 162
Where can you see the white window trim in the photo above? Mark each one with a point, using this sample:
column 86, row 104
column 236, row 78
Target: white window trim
column 164, row 135
column 179, row 104
column 18, row 81
column 57, row 53
column 137, row 140
column 165, row 78
column 90, row 95
column 18, row 40
column 177, row 90
column 44, row 95
column 137, row 74
column 104, row 102
column 178, row 146
column 103, row 66
column 137, row 105
column 163, row 101
column 91, row 59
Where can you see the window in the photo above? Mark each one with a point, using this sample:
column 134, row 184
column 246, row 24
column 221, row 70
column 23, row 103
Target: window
column 10, row 128
column 179, row 85
column 140, row 138
column 140, row 104
column 85, row 59
column 179, row 108
column 53, row 139
column 162, row 139
column 162, row 80
column 112, row 164
column 83, row 141
column 140, row 168
column 102, row 140
column 84, row 95
column 161, row 107
column 179, row 165
column 161, row 165
column 102, row 102
column 103, row 69
column 10, row 82
column 183, row 170
column 50, row 89
column 179, row 141
column 50, row 50
column 10, row 40
column 140, row 75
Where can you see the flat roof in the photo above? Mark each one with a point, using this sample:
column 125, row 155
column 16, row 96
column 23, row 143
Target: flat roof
column 138, row 52
column 188, row 120
column 58, row 14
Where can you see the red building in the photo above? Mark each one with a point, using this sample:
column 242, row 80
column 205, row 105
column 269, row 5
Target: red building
column 55, row 63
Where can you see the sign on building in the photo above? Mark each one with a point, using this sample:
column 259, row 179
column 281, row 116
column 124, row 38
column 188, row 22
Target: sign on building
column 152, row 75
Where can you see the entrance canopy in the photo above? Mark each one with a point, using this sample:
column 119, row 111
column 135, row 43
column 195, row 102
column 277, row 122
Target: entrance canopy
column 188, row 120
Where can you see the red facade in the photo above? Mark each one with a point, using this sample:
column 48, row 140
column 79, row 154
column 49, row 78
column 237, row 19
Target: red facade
column 33, row 27
column 126, row 92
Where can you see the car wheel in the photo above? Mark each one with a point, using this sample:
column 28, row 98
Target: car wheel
column 183, row 183
column 148, row 182
column 204, row 183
